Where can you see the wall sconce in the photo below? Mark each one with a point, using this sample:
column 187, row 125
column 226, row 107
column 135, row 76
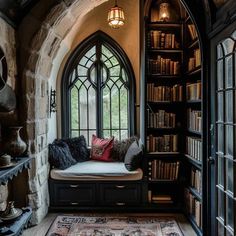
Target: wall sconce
column 116, row 17
column 52, row 101
column 164, row 11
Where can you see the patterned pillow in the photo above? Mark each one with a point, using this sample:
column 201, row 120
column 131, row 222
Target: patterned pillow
column 60, row 156
column 120, row 148
column 101, row 149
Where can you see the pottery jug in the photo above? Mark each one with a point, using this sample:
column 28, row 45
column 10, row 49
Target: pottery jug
column 15, row 146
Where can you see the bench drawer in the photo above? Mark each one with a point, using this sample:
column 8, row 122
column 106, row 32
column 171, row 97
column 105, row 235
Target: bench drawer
column 74, row 194
column 120, row 194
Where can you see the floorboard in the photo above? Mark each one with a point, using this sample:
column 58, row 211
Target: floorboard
column 42, row 228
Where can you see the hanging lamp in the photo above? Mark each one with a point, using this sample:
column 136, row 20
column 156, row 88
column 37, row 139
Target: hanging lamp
column 116, row 17
column 164, row 11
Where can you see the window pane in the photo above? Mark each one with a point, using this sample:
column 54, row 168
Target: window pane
column 220, row 107
column 221, row 208
column 124, row 107
column 230, row 212
column 220, row 78
column 229, row 106
column 219, row 51
column 220, row 229
column 229, row 173
column 229, row 71
column 220, row 136
column 228, row 46
column 229, row 140
column 115, row 106
column 74, row 108
column 220, row 172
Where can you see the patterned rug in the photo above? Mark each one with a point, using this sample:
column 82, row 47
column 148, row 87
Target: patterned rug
column 113, row 226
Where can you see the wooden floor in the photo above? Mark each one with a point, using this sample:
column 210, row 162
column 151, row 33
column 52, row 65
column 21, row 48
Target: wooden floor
column 42, row 228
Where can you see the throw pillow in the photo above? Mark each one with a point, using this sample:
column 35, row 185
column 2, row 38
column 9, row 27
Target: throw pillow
column 78, row 148
column 60, row 156
column 133, row 157
column 120, row 148
column 101, row 148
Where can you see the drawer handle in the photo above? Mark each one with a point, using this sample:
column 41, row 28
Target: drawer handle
column 120, row 186
column 74, row 185
column 120, row 203
column 74, row 203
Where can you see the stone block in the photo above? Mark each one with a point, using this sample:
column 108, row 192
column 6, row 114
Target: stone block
column 30, row 85
column 44, row 157
column 45, row 66
column 33, row 61
column 3, row 193
column 35, row 200
column 41, row 142
column 30, row 129
column 42, row 112
column 30, row 103
column 43, row 174
column 39, row 39
column 56, row 13
column 39, row 214
column 3, row 205
column 62, row 28
column 42, row 126
column 34, row 185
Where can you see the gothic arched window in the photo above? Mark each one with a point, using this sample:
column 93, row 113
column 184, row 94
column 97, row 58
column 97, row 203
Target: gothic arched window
column 98, row 91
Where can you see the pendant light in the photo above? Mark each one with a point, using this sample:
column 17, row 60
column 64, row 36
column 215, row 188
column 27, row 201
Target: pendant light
column 116, row 17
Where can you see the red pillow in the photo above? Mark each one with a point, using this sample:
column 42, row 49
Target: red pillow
column 101, row 148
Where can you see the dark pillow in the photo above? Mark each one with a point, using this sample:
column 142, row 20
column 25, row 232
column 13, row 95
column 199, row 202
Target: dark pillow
column 60, row 156
column 78, row 148
column 120, row 148
column 133, row 157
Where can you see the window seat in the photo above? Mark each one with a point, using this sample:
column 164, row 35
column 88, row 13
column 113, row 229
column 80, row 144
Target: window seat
column 96, row 170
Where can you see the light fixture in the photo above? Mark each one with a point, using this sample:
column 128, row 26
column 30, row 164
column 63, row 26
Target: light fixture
column 164, row 12
column 52, row 101
column 116, row 17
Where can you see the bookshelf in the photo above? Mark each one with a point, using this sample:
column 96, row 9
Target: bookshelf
column 164, row 104
column 173, row 114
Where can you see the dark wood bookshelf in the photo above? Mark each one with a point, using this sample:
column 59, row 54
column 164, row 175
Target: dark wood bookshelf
column 161, row 24
column 193, row 44
column 194, row 101
column 195, row 193
column 194, row 224
column 194, row 71
column 168, row 155
column 167, row 50
column 163, row 181
column 194, row 132
column 194, row 162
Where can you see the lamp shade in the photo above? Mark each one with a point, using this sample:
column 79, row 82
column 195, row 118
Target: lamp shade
column 164, row 12
column 116, row 17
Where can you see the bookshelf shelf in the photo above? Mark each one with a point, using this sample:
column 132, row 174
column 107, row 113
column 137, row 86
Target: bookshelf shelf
column 163, row 181
column 194, row 132
column 167, row 50
column 165, row 103
column 194, row 71
column 194, row 101
column 159, row 76
column 194, row 224
column 166, row 156
column 193, row 161
column 161, row 24
column 193, row 44
column 195, row 193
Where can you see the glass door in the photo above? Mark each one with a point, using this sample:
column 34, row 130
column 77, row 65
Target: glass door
column 223, row 198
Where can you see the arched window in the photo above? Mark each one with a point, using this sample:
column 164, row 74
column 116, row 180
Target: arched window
column 98, row 91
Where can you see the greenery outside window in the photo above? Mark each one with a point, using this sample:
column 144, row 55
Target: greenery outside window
column 98, row 91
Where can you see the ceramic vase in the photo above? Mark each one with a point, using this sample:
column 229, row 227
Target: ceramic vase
column 15, row 146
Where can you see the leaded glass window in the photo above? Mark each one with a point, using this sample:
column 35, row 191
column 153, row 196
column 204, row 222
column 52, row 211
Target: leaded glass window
column 99, row 92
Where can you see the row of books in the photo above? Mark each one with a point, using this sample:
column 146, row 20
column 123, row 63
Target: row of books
column 165, row 143
column 164, row 93
column 163, row 66
column 194, row 120
column 193, row 91
column 194, row 148
column 192, row 31
column 194, row 61
column 161, row 40
column 159, row 198
column 162, row 170
column 161, row 119
column 196, row 180
column 193, row 207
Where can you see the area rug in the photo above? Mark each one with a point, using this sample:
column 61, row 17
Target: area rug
column 113, row 226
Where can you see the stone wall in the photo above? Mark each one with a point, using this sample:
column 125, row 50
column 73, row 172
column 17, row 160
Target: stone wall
column 8, row 45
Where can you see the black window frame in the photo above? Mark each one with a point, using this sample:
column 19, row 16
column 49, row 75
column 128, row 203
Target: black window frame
column 76, row 55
